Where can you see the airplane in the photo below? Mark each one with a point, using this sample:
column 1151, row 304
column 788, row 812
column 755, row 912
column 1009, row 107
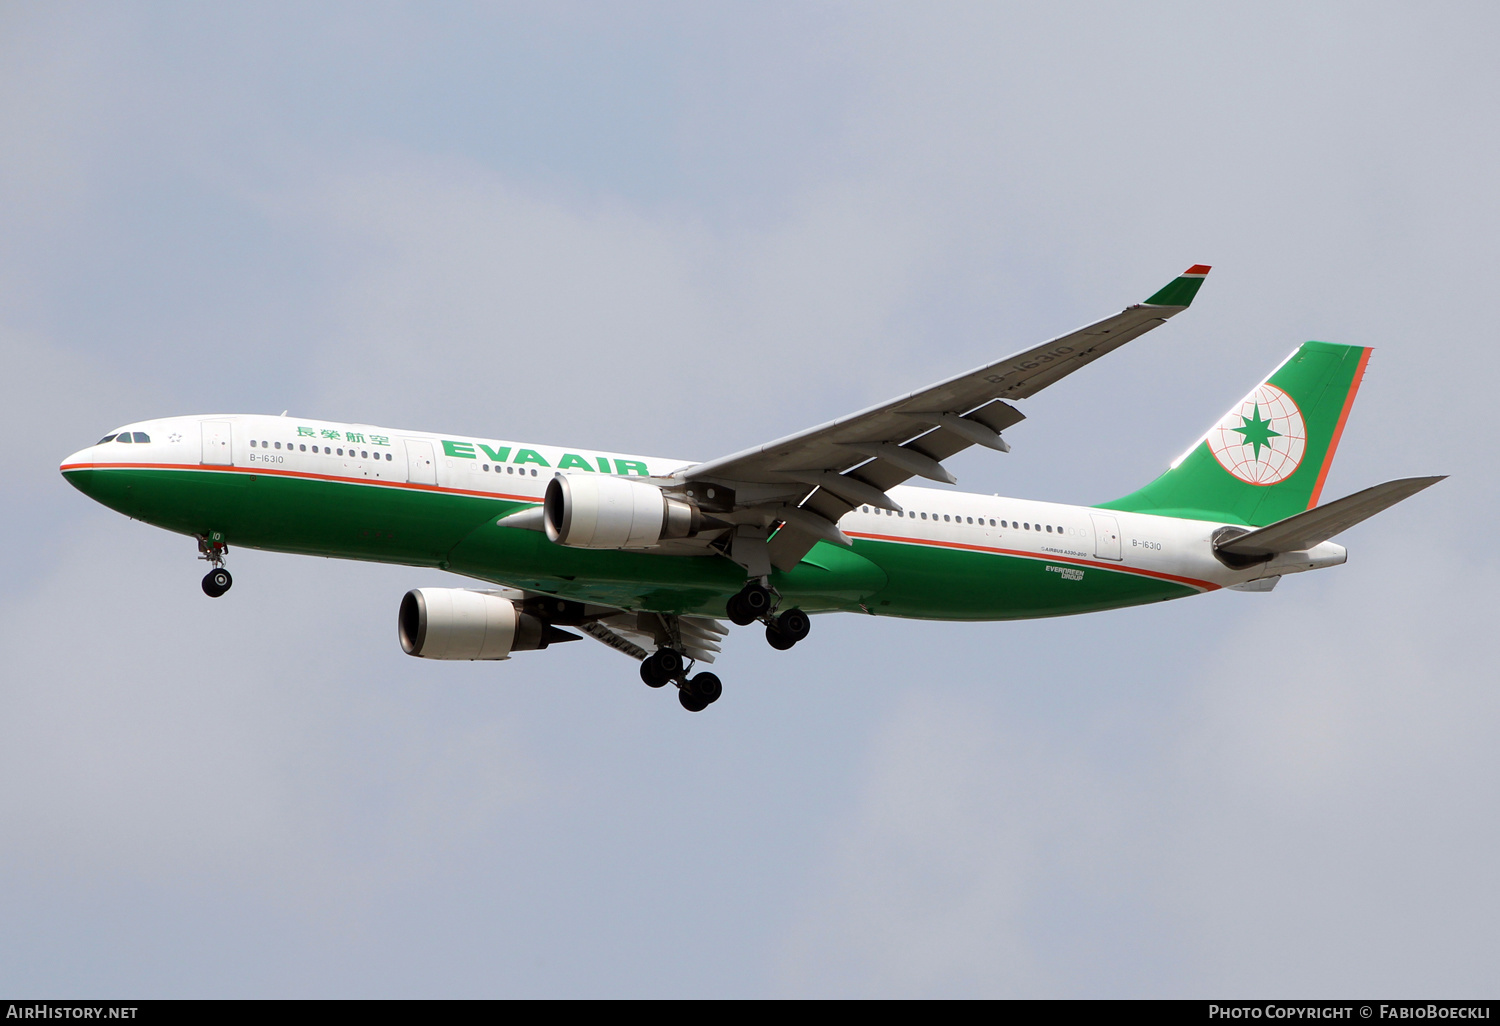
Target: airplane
column 650, row 555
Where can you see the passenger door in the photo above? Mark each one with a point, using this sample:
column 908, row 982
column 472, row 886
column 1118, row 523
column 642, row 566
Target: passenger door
column 421, row 466
column 218, row 447
column 1106, row 536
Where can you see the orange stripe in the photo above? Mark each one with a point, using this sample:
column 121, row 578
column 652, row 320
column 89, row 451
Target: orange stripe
column 1205, row 585
column 1198, row 269
column 271, row 472
column 1338, row 431
column 933, row 543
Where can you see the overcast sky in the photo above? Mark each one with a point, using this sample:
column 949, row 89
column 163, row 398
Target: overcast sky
column 682, row 229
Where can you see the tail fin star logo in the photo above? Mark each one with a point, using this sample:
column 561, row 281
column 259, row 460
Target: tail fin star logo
column 1261, row 441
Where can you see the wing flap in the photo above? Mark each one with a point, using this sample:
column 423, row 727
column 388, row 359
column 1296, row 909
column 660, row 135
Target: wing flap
column 614, row 639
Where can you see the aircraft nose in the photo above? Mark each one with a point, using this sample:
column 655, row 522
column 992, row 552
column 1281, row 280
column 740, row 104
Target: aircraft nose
column 75, row 461
column 77, row 469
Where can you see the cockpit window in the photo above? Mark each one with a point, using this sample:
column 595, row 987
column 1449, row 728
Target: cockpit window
column 106, row 438
column 123, row 436
column 141, row 436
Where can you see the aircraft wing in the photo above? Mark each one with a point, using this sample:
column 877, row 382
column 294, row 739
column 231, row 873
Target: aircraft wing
column 637, row 635
column 808, row 480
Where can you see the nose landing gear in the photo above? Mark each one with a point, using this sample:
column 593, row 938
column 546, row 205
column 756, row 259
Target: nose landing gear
column 212, row 548
column 216, row 582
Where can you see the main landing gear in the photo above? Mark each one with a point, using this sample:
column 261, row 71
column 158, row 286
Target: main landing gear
column 755, row 602
column 212, row 548
column 680, row 639
column 787, row 629
column 696, row 693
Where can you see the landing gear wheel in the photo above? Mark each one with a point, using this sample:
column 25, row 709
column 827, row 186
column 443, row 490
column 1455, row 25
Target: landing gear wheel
column 777, row 640
column 691, row 700
column 669, row 662
column 661, row 666
column 788, row 629
column 708, row 687
column 753, row 602
column 794, row 624
column 738, row 614
column 216, row 582
column 651, row 675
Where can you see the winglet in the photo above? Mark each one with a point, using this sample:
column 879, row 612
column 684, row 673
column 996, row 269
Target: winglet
column 1181, row 290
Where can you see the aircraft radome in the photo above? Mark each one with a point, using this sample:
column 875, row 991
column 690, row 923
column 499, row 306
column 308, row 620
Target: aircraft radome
column 648, row 555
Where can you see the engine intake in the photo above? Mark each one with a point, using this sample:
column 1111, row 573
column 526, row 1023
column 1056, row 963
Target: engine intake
column 459, row 623
column 592, row 511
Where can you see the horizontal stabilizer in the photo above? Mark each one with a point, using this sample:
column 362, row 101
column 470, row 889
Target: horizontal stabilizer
column 1317, row 525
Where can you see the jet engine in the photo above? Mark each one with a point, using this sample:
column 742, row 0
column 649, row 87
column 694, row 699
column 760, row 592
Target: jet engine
column 591, row 511
column 459, row 623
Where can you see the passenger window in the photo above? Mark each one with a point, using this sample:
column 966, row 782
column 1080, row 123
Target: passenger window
column 510, row 470
column 387, row 456
column 533, row 472
column 252, row 441
column 302, row 448
column 864, row 509
column 924, row 516
column 992, row 523
column 341, row 452
column 945, row 518
column 1026, row 527
column 1049, row 528
column 486, row 468
column 363, row 455
column 971, row 520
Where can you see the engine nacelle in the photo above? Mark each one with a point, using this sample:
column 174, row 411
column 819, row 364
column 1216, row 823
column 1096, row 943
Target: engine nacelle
column 594, row 511
column 457, row 623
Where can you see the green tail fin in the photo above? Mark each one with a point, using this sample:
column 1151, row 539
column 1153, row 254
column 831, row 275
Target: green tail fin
column 1267, row 458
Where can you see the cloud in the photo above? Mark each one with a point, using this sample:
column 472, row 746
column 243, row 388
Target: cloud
column 211, row 742
column 466, row 296
column 930, row 878
column 1308, row 811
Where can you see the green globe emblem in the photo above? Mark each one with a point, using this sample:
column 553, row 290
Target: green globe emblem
column 1262, row 440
